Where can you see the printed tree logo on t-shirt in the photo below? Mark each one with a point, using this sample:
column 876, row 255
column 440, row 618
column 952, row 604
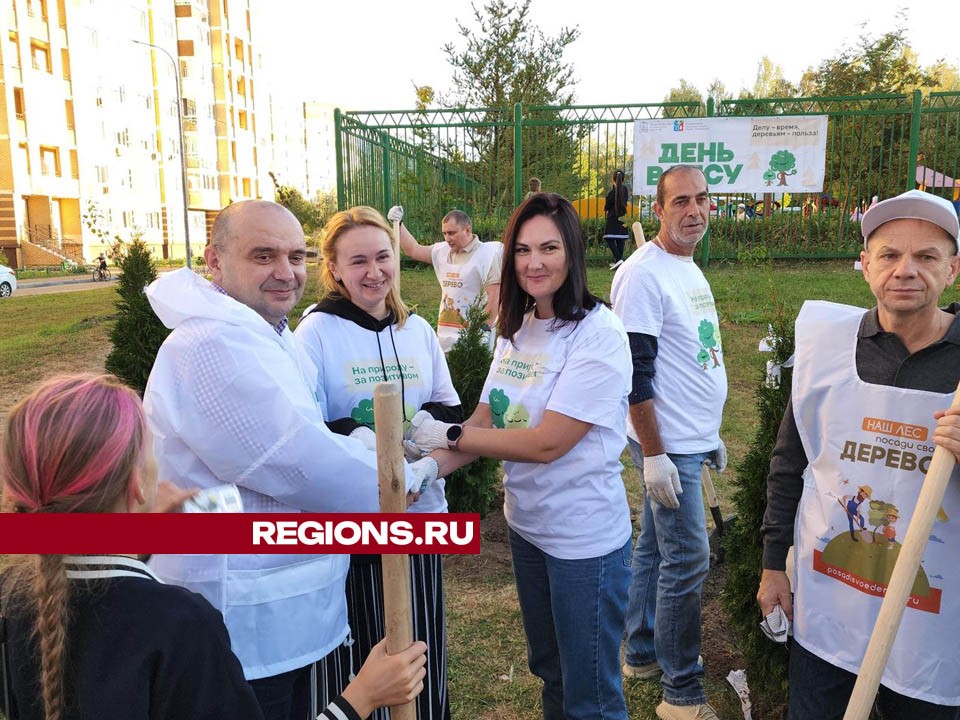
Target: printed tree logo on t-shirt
column 499, row 402
column 516, row 416
column 363, row 414
column 710, row 340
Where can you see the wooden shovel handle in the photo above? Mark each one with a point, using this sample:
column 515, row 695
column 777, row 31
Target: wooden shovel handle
column 398, row 616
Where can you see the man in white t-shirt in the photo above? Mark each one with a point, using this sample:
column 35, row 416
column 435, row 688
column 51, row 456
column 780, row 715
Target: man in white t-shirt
column 678, row 390
column 466, row 269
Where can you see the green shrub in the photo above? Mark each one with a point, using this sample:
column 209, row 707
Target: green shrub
column 824, row 234
column 766, row 660
column 138, row 332
column 473, row 488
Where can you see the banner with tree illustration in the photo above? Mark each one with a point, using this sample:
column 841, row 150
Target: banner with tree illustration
column 785, row 153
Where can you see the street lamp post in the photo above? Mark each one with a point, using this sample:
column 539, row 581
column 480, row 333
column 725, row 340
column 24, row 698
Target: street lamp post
column 183, row 154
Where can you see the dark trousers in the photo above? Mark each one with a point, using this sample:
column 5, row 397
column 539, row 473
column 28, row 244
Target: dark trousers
column 285, row 696
column 364, row 589
column 616, row 245
column 820, row 691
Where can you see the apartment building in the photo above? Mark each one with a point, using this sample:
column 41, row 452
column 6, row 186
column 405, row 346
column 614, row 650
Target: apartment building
column 134, row 117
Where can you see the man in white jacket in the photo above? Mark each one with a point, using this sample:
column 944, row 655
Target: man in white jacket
column 231, row 399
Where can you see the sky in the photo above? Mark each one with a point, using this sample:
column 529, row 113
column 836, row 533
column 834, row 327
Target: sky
column 368, row 54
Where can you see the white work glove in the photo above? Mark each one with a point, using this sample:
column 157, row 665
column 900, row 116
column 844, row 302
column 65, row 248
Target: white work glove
column 426, row 434
column 424, row 471
column 718, row 458
column 395, row 213
column 662, row 481
column 367, row 436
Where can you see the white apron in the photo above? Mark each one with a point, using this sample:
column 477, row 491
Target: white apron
column 868, row 447
column 460, row 285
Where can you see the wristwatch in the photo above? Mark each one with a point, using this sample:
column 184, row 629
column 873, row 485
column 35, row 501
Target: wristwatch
column 454, row 433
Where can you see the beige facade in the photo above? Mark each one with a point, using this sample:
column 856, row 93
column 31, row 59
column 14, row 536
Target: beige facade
column 90, row 140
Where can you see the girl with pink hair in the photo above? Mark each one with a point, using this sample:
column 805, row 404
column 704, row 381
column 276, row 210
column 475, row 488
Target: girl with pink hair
column 101, row 636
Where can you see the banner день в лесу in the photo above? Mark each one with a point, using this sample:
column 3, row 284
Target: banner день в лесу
column 737, row 155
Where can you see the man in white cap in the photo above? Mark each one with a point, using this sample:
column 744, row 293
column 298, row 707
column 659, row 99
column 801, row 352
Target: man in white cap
column 868, row 395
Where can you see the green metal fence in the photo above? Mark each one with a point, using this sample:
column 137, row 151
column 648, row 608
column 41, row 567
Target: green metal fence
column 480, row 160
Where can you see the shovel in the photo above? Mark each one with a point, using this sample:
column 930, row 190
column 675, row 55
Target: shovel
column 713, row 502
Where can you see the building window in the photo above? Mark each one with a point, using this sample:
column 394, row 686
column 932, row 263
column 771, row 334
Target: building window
column 40, row 55
column 68, row 107
column 185, row 48
column 61, row 13
column 74, row 165
column 18, row 106
column 65, row 62
column 50, row 161
column 242, row 119
column 14, row 48
column 25, row 153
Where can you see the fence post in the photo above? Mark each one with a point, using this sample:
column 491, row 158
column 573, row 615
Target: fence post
column 705, row 243
column 387, row 186
column 517, row 149
column 915, row 118
column 338, row 149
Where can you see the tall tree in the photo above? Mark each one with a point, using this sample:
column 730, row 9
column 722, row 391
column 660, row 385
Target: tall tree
column 507, row 59
column 504, row 59
column 685, row 92
column 770, row 82
column 884, row 64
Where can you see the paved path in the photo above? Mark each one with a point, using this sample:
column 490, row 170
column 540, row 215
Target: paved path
column 45, row 286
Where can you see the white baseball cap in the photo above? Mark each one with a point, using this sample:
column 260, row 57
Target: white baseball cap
column 912, row 205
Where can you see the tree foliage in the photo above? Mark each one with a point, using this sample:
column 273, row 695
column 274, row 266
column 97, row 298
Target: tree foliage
column 685, row 92
column 743, row 546
column 770, row 82
column 474, row 487
column 137, row 333
column 505, row 59
column 884, row 64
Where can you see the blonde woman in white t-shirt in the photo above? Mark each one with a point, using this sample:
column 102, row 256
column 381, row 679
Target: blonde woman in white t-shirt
column 559, row 384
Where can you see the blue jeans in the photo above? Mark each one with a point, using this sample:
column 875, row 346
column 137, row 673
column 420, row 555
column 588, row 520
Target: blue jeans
column 820, row 691
column 573, row 619
column 670, row 563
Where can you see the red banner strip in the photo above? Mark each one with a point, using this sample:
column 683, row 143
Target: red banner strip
column 258, row 533
column 929, row 604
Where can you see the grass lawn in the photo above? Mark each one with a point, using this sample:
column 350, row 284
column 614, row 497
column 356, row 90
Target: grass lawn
column 43, row 334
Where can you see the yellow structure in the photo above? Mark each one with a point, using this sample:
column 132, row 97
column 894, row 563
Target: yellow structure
column 589, row 208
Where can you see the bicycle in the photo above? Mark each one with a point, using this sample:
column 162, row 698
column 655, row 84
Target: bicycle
column 101, row 274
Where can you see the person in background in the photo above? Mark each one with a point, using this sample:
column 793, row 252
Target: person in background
column 101, row 636
column 676, row 404
column 468, row 270
column 614, row 208
column 534, row 187
column 359, row 334
column 553, row 409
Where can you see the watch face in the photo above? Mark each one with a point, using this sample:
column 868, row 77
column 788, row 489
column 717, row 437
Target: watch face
column 453, row 433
